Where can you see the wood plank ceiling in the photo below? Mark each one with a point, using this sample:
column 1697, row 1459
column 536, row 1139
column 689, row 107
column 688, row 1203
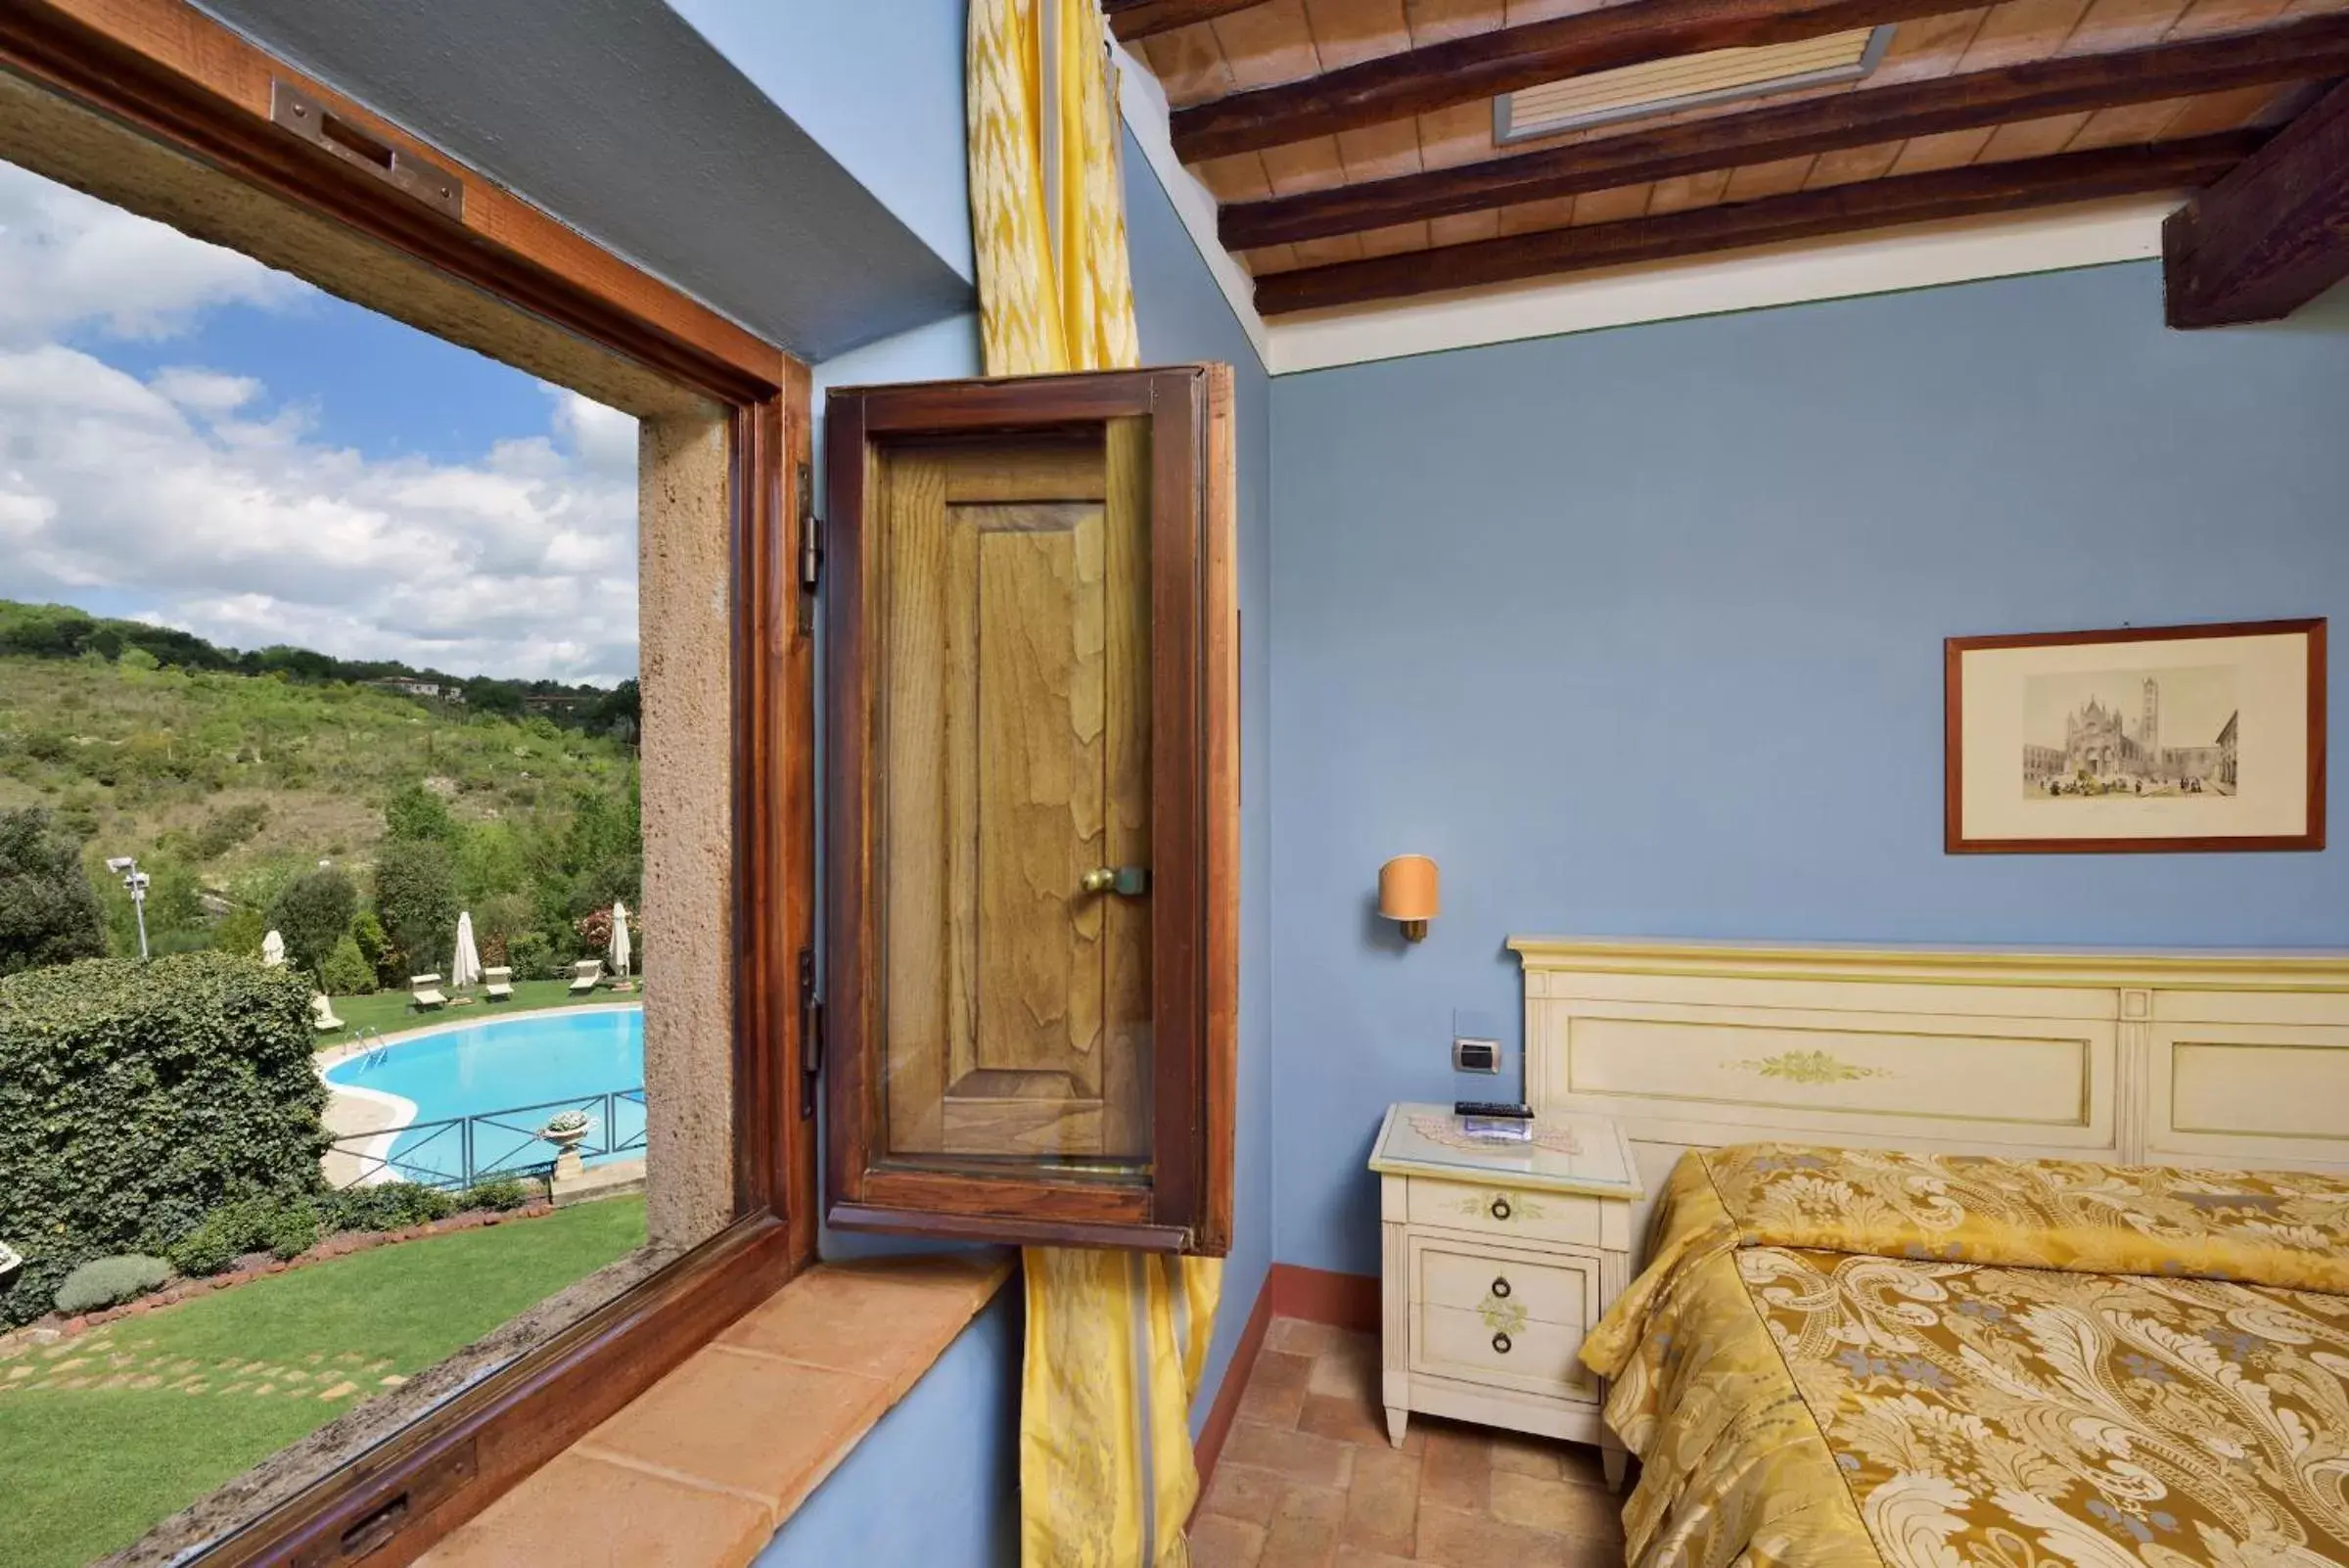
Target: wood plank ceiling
column 1351, row 142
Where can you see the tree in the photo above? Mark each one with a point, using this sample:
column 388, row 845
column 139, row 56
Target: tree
column 313, row 912
column 48, row 910
column 416, row 898
column 415, row 814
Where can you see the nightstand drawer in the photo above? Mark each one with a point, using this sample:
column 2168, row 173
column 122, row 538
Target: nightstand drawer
column 1535, row 1356
column 1505, row 1211
column 1562, row 1291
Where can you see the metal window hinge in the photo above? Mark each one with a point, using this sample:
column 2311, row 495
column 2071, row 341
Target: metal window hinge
column 811, row 548
column 811, row 1034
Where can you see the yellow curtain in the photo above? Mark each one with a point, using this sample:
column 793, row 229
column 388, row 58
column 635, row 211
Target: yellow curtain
column 1116, row 1341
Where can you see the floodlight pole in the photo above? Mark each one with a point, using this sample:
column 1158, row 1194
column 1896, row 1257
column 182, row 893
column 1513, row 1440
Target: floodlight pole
column 135, row 881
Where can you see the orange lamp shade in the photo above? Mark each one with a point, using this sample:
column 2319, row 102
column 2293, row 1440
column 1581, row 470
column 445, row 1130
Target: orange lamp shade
column 1409, row 891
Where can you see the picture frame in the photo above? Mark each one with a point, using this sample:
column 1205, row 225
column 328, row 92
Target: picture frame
column 2136, row 740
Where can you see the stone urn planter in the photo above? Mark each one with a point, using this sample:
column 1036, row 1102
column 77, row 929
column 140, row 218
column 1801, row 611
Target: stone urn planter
column 566, row 1131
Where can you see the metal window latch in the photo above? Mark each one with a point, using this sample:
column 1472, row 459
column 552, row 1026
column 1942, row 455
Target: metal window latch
column 811, row 1034
column 1126, row 881
column 293, row 109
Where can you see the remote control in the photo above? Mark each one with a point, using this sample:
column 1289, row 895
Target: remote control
column 1520, row 1111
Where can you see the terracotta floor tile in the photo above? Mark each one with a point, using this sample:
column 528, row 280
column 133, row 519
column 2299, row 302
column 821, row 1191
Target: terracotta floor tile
column 1382, row 1501
column 767, row 1428
column 595, row 1514
column 885, row 1324
column 1301, row 1338
column 1456, row 1469
column 1277, row 1387
column 1221, row 1543
column 1562, row 1508
column 1349, row 1366
column 1299, row 1456
column 1358, row 1558
column 1455, row 1540
column 1305, row 1528
column 1350, row 1419
column 1547, row 1458
column 1243, row 1491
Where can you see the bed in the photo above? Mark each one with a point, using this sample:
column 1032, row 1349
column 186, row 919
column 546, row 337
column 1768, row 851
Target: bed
column 1946, row 1266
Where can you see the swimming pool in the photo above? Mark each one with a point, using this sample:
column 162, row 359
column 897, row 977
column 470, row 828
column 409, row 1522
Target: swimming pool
column 470, row 1098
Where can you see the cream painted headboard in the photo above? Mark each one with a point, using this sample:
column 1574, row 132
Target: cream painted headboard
column 2174, row 1058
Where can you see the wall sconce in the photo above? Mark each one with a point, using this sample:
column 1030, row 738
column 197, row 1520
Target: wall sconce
column 1407, row 891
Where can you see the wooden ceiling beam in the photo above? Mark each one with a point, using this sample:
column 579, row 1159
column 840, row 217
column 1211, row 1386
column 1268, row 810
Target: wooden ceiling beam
column 2271, row 236
column 1973, row 191
column 1140, row 18
column 1484, row 65
column 1867, row 116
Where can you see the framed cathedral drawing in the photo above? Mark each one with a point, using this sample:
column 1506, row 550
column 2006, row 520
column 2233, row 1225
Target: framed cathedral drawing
column 2142, row 739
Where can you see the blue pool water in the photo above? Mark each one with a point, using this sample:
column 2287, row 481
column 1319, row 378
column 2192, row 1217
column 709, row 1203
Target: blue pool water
column 506, row 1076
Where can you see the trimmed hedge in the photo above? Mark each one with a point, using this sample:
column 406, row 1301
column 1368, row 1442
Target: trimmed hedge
column 104, row 1281
column 136, row 1098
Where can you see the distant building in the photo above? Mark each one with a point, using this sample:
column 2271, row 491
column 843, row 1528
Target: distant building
column 410, row 686
column 2042, row 762
column 2227, row 752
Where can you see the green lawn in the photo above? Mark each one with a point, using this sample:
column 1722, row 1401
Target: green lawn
column 391, row 1011
column 105, row 1435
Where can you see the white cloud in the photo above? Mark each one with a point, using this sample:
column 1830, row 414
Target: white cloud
column 205, row 391
column 189, row 492
column 67, row 259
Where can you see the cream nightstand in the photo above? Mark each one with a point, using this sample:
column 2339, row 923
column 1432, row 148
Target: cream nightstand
column 1498, row 1259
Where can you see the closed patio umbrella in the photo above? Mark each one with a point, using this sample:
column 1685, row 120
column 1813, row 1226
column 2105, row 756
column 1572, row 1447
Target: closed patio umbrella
column 619, row 939
column 273, row 949
column 465, row 965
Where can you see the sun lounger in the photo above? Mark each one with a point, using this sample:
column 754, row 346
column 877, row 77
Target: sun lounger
column 322, row 1014
column 426, row 990
column 585, row 975
column 497, row 985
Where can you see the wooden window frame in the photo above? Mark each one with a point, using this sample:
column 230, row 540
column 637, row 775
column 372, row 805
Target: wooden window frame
column 173, row 77
column 1194, row 676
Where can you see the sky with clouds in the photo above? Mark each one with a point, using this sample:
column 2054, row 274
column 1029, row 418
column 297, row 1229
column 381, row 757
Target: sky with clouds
column 189, row 438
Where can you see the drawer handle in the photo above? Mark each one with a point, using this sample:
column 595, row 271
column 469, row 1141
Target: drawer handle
column 1501, row 1343
column 1501, row 1287
column 1500, row 1208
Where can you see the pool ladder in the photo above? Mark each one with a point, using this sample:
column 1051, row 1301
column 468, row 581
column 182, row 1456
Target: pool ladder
column 355, row 1040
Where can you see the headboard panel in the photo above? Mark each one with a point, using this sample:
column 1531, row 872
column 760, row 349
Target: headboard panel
column 2212, row 1058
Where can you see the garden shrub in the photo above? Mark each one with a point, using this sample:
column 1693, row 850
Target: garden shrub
column 104, row 1281
column 313, row 912
column 416, row 898
column 292, row 1230
column 135, row 1100
column 501, row 1195
column 48, row 909
column 346, row 971
column 387, row 1205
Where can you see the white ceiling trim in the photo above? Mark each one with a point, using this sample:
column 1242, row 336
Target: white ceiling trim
column 1920, row 256
column 1145, row 105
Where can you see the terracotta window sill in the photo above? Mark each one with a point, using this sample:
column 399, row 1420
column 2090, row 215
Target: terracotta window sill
column 702, row 1467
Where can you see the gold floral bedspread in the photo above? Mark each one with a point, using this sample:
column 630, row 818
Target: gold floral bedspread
column 1854, row 1359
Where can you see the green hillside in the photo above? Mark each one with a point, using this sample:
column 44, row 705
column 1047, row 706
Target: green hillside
column 226, row 785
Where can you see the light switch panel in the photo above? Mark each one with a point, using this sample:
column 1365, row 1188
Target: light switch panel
column 1472, row 1055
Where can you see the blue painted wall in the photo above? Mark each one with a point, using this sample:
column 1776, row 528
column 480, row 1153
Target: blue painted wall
column 1638, row 632
column 937, row 1481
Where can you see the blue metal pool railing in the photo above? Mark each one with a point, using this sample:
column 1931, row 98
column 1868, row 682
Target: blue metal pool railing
column 463, row 1151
